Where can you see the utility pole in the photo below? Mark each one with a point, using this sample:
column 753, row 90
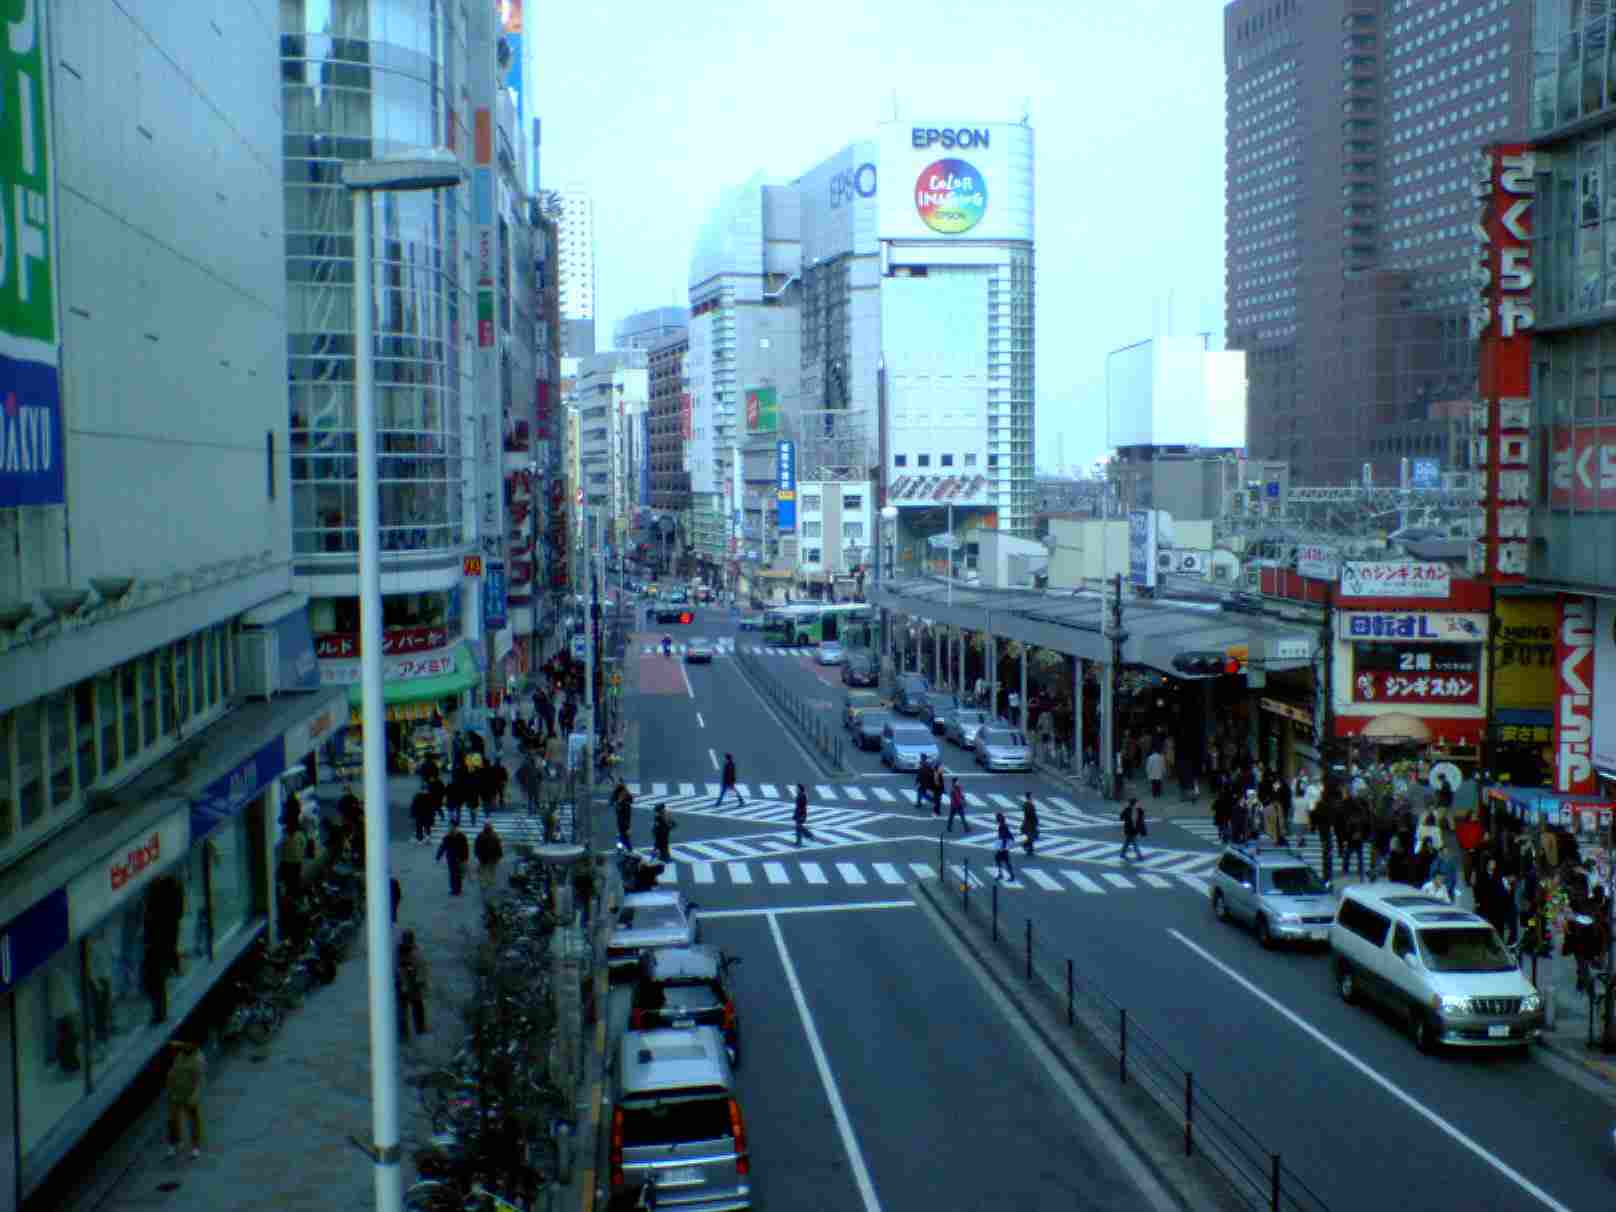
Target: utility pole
column 1108, row 693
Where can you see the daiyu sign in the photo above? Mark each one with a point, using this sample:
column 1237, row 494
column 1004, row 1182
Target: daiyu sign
column 1574, row 702
column 1431, row 626
column 224, row 797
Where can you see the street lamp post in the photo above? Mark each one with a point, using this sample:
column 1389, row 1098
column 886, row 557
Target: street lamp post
column 437, row 169
column 884, row 555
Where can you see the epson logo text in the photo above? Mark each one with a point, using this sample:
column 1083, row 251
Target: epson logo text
column 963, row 136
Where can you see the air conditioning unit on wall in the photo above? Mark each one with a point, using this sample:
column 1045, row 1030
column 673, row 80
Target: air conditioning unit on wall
column 1251, row 579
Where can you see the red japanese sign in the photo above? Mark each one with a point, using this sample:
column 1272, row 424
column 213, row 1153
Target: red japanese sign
column 1574, row 704
column 1378, row 686
column 1582, row 469
column 398, row 641
column 687, row 420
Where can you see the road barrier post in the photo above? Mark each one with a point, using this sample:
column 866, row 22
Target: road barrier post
column 941, row 864
column 1122, row 1054
column 1274, row 1196
column 965, row 886
column 1189, row 1114
column 1029, row 948
column 995, row 912
column 1071, row 1009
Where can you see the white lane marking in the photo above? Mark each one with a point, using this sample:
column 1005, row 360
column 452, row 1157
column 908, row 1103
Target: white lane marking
column 888, row 873
column 1113, row 878
column 1155, row 881
column 844, row 1126
column 1083, row 881
column 738, row 873
column 705, row 849
column 687, row 789
column 814, row 873
column 1064, row 805
column 659, row 789
column 923, row 870
column 1002, row 801
column 788, row 910
column 670, row 872
column 702, row 873
column 882, row 794
column 1413, row 1104
column 712, row 788
column 689, row 689
column 712, row 756
column 853, row 793
column 769, row 790
column 850, row 873
column 824, row 792
column 974, row 800
column 1042, row 880
column 700, row 723
column 1196, row 883
column 633, row 788
column 776, row 873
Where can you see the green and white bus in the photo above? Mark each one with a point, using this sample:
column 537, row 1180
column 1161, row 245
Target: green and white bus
column 807, row 623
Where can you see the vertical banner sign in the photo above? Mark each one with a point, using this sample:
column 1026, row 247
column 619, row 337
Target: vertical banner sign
column 1574, row 700
column 1501, row 321
column 31, row 470
column 482, row 188
column 1142, row 548
column 495, row 594
column 687, row 419
column 785, row 488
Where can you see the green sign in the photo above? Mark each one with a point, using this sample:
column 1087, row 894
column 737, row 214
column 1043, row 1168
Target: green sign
column 30, row 393
column 762, row 410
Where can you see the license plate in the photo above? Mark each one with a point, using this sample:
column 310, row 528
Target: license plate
column 671, row 1178
column 1498, row 1031
column 684, row 1022
column 1318, row 936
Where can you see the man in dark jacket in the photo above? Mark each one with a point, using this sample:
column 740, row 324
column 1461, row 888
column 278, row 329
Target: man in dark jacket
column 661, row 833
column 457, row 851
column 527, row 778
column 489, row 851
column 728, row 783
column 1133, row 828
column 623, row 804
column 423, row 810
column 799, row 814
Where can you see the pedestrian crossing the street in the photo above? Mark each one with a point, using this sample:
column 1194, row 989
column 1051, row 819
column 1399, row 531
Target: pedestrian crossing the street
column 728, row 849
column 846, row 804
column 1157, row 863
column 514, row 826
column 1305, row 844
column 721, row 647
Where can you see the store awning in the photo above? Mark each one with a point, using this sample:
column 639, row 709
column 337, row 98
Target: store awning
column 425, row 690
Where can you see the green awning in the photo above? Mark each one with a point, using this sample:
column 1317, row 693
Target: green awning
column 420, row 690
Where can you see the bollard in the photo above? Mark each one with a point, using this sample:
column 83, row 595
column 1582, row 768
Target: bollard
column 965, row 887
column 1071, row 1007
column 1275, row 1194
column 1029, row 948
column 1122, row 1051
column 995, row 912
column 1189, row 1114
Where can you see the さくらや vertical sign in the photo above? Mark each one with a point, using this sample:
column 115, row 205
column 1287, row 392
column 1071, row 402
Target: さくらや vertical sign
column 1574, row 701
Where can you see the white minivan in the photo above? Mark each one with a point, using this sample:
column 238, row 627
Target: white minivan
column 1440, row 969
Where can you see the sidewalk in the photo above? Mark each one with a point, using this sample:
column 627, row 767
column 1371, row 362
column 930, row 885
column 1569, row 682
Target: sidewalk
column 277, row 1119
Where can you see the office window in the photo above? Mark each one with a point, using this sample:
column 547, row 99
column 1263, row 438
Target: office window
column 946, row 460
column 970, row 460
column 900, row 460
column 852, row 500
column 923, row 460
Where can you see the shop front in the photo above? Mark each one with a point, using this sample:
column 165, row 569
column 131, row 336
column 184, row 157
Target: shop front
column 1286, row 734
column 1521, row 727
column 420, row 691
column 103, row 959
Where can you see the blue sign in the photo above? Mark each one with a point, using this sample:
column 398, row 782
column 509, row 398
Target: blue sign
column 1425, row 473
column 496, row 611
column 30, row 434
column 223, row 798
column 785, row 486
column 299, row 670
column 28, row 940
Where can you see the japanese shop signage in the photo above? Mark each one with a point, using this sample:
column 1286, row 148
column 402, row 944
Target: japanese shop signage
column 399, row 669
column 1394, row 579
column 1416, row 673
column 1377, row 686
column 1574, row 700
column 1582, row 469
column 1605, row 688
column 224, row 797
column 30, row 939
column 1318, row 561
column 785, row 487
column 31, row 468
column 126, row 872
column 1501, row 322
column 396, row 641
column 1524, row 653
column 1429, row 626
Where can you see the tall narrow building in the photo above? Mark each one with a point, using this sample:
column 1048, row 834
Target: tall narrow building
column 574, row 210
column 1351, row 126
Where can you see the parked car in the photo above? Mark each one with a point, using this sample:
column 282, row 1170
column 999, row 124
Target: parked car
column 907, row 691
column 860, row 668
column 871, row 725
column 904, row 744
column 829, row 652
column 699, row 650
column 1438, row 968
column 962, row 724
column 1274, row 892
column 935, row 704
column 675, row 614
column 1002, row 749
column 646, row 921
column 687, row 987
column 856, row 702
column 676, row 1122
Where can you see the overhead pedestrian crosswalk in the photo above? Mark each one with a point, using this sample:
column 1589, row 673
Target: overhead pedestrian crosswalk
column 777, row 801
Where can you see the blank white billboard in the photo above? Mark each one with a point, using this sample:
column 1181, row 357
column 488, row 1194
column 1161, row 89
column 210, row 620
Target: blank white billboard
column 1172, row 392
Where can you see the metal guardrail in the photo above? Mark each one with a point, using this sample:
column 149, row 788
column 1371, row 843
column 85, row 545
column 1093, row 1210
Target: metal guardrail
column 825, row 735
column 1257, row 1176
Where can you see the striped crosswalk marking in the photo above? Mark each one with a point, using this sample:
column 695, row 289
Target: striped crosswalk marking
column 814, row 873
column 775, row 873
column 1082, row 881
column 659, row 789
column 850, row 873
column 888, row 873
column 1042, row 880
column 1196, row 883
column 853, row 793
column 687, row 789
column 670, row 872
column 923, row 870
column 702, row 873
column 738, row 873
column 1002, row 801
column 633, row 788
column 824, row 792
column 1111, row 877
column 706, row 849
column 1064, row 805
column 770, row 791
column 713, row 789
column 974, row 800
column 882, row 794
column 966, row 875
column 1155, row 881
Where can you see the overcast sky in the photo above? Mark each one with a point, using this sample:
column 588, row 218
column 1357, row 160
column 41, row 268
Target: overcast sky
column 656, row 107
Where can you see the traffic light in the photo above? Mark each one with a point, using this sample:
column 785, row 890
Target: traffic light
column 1206, row 664
column 686, row 617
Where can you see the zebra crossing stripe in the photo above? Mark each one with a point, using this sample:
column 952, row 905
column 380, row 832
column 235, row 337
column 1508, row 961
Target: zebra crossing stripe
column 1199, row 885
column 1062, row 804
column 1042, row 880
column 705, row 849
column 1111, row 877
column 814, row 873
column 888, row 873
column 670, row 872
column 882, row 794
column 1161, row 859
column 775, row 873
column 962, row 872
column 1083, row 881
column 659, row 789
column 1155, row 881
column 850, row 873
column 770, row 791
column 702, row 873
column 853, row 793
column 1002, row 801
column 738, row 873
column 974, row 800
column 824, row 792
column 687, row 789
column 923, row 870
column 712, row 789
column 633, row 788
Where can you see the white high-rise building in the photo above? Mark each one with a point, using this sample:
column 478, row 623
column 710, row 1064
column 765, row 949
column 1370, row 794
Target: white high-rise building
column 575, row 210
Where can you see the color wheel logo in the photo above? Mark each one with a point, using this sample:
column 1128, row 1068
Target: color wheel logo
column 950, row 197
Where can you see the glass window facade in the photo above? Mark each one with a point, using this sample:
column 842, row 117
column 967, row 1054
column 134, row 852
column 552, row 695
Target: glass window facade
column 51, row 1066
column 1574, row 519
column 1573, row 73
column 362, row 79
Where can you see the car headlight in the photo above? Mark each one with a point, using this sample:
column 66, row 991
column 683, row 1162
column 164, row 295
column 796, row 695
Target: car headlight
column 1451, row 1005
column 1291, row 919
column 1532, row 1003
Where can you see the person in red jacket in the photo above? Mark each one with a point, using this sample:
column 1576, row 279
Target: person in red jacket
column 1470, row 835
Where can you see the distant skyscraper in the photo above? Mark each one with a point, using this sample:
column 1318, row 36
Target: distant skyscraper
column 576, row 212
column 1351, row 135
column 646, row 329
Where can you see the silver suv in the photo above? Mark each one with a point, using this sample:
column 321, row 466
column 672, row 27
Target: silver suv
column 676, row 1124
column 1273, row 891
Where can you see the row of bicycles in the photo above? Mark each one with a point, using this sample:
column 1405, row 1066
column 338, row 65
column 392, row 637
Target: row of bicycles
column 498, row 1121
column 321, row 922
